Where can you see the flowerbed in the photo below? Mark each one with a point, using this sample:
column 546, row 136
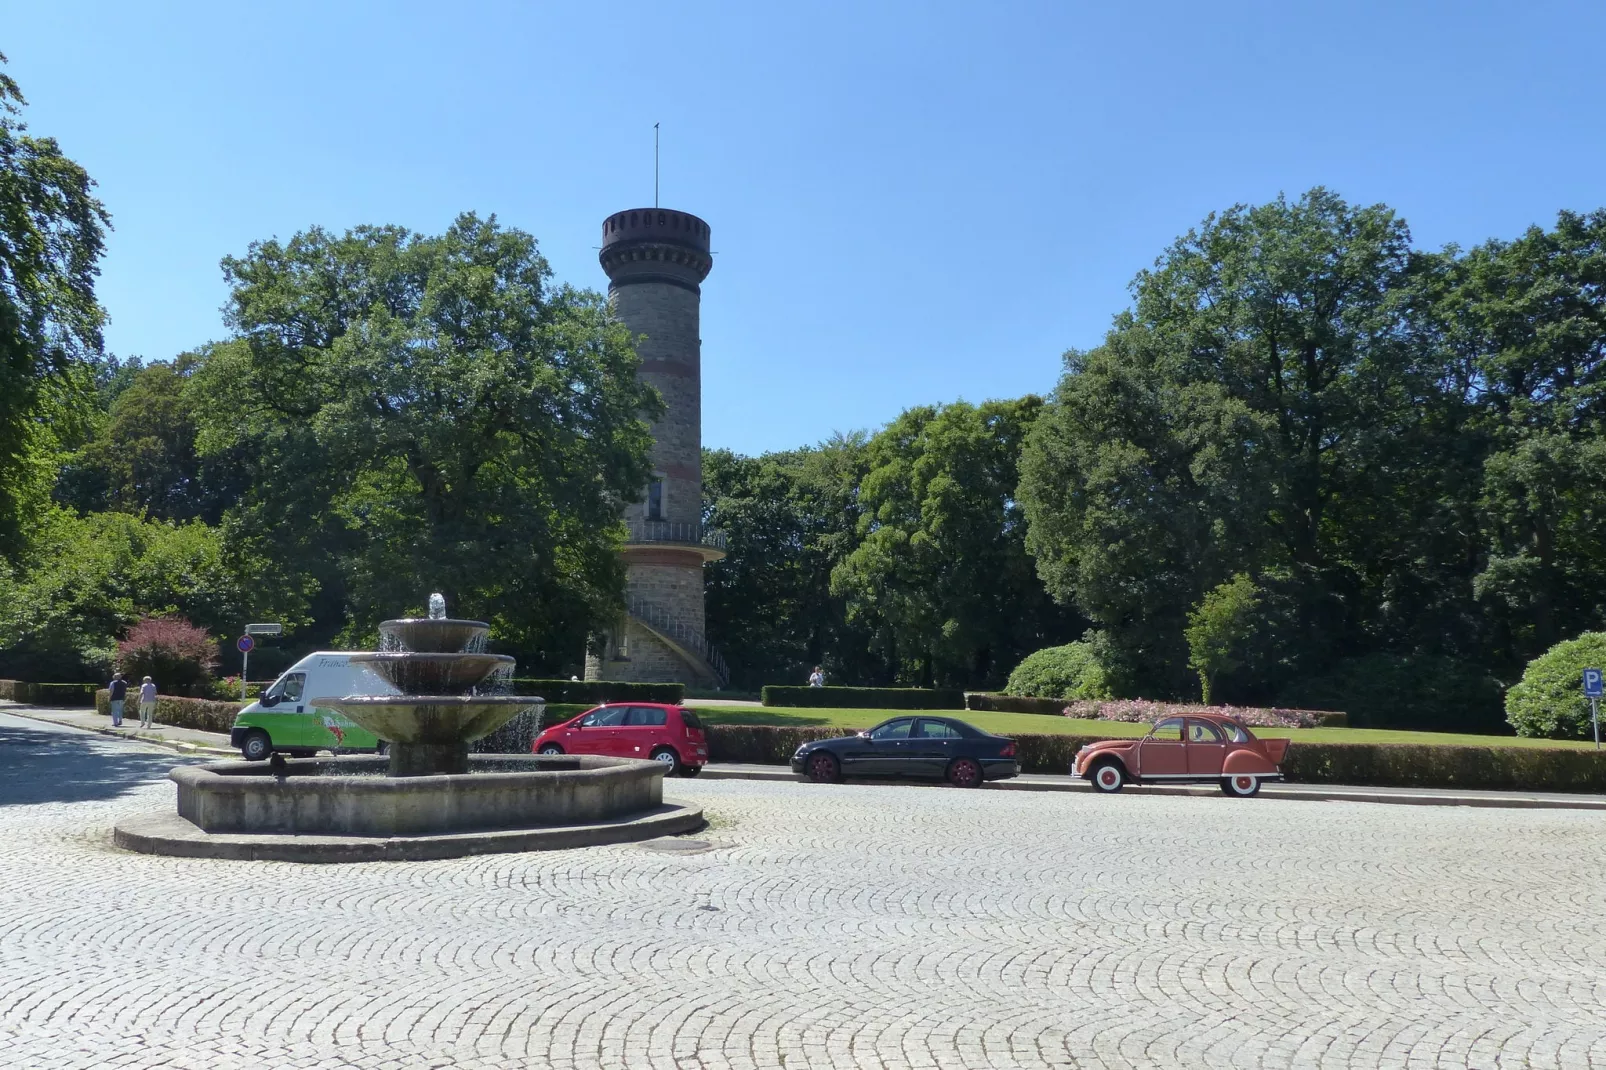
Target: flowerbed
column 1141, row 710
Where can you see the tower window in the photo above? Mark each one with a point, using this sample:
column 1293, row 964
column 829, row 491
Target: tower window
column 655, row 499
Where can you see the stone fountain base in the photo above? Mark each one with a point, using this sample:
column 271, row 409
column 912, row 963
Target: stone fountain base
column 345, row 809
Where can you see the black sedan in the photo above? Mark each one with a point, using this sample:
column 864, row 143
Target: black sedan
column 917, row 746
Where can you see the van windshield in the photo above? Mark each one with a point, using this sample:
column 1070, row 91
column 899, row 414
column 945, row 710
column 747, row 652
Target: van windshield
column 289, row 687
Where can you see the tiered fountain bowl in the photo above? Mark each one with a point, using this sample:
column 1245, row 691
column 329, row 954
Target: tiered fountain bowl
column 428, row 798
column 448, row 700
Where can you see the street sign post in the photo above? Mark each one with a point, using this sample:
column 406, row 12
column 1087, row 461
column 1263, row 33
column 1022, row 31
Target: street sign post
column 245, row 643
column 1594, row 686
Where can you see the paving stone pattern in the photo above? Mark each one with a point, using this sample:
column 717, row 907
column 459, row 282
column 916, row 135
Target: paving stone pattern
column 827, row 926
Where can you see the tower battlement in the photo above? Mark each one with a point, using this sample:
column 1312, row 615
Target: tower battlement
column 655, row 245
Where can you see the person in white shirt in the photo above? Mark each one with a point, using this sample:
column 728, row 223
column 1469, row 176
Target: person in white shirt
column 147, row 702
column 817, row 677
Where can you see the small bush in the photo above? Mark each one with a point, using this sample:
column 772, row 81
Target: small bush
column 1062, row 672
column 868, row 698
column 174, row 653
column 1548, row 702
column 596, row 692
column 997, row 703
column 1431, row 694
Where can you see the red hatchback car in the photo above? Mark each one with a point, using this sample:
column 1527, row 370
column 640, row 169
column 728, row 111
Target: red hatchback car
column 669, row 734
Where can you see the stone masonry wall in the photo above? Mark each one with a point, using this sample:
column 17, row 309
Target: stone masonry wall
column 668, row 316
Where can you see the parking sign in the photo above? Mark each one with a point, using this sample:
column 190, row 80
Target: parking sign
column 1592, row 683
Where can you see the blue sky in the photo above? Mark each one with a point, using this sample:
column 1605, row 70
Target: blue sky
column 910, row 203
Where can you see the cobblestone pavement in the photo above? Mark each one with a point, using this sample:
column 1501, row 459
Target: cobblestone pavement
column 825, row 926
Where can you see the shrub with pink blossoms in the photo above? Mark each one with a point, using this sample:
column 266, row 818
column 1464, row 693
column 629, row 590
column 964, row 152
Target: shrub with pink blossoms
column 1146, row 711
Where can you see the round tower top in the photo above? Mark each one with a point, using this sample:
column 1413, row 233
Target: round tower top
column 655, row 225
column 655, row 245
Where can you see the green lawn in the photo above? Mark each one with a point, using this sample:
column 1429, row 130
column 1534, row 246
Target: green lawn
column 1024, row 724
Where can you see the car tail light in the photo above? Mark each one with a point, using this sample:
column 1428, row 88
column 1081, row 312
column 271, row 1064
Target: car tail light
column 1008, row 751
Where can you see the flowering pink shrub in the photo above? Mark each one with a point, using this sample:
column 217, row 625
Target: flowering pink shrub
column 176, row 654
column 1145, row 711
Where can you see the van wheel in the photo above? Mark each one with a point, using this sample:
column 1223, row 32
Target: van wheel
column 669, row 758
column 256, row 745
column 383, row 748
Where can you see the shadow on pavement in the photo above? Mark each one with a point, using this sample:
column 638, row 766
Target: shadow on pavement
column 45, row 764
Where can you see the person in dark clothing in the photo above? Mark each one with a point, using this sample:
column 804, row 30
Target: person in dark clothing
column 119, row 690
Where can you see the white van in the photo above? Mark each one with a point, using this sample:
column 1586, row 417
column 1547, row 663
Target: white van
column 284, row 719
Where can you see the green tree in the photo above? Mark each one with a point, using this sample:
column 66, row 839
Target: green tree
column 789, row 518
column 423, row 413
column 1528, row 317
column 940, row 576
column 84, row 580
column 51, row 234
column 1218, row 630
column 142, row 458
column 1267, row 406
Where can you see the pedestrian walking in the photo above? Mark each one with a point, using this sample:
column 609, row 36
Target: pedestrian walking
column 119, row 694
column 817, row 677
column 147, row 703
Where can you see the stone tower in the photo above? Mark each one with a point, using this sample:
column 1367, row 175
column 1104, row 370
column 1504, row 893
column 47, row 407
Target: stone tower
column 656, row 260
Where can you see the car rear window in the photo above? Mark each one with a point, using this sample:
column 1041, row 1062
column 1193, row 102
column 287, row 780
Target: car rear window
column 689, row 719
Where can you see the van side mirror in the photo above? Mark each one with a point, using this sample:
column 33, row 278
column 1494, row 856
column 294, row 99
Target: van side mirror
column 268, row 698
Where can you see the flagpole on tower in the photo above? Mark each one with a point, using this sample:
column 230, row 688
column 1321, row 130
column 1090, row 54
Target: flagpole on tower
column 655, row 165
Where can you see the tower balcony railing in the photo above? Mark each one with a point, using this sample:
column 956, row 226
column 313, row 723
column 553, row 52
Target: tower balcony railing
column 674, row 532
column 664, row 623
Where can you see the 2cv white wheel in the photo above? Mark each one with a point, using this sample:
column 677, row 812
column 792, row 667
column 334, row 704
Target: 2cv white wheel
column 1241, row 785
column 1108, row 777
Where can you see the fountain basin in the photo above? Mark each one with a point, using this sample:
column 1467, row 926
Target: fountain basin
column 434, row 674
column 351, row 796
column 430, row 734
column 434, row 635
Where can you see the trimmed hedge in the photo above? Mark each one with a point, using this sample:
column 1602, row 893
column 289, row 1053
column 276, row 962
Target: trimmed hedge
column 48, row 694
column 63, row 694
column 760, row 744
column 868, row 698
column 596, row 692
column 1392, row 765
column 995, row 702
column 201, row 714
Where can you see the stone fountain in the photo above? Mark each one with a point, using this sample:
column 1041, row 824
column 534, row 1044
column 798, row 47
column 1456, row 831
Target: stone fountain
column 448, row 688
column 428, row 798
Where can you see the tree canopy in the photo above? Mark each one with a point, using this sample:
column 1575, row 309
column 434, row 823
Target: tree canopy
column 52, row 231
column 421, row 413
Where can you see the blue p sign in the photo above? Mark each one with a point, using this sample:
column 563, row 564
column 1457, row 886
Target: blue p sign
column 1592, row 683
